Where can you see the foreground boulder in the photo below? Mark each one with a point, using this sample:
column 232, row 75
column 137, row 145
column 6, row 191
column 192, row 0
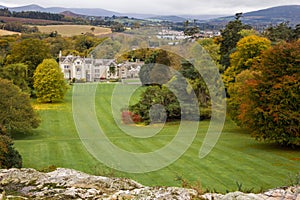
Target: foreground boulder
column 72, row 184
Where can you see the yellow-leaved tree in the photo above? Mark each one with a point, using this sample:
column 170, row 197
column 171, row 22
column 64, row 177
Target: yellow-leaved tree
column 248, row 51
column 49, row 82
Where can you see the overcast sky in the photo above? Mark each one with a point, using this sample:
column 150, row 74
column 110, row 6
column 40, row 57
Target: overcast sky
column 162, row 7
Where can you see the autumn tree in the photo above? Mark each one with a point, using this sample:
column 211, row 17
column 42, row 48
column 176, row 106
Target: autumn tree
column 272, row 109
column 16, row 112
column 49, row 82
column 239, row 91
column 248, row 51
column 30, row 52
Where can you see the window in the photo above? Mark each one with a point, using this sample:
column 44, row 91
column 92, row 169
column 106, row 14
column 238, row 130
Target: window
column 66, row 66
column 78, row 69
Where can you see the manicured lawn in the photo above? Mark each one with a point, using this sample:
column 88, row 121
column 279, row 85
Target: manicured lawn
column 236, row 158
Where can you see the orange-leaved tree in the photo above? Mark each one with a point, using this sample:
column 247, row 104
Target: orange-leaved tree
column 272, row 108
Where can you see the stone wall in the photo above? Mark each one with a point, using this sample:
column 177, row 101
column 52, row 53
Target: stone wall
column 72, row 184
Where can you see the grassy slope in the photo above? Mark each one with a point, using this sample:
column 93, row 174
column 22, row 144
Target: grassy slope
column 236, row 157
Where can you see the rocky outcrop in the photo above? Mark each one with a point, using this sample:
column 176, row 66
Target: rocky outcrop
column 285, row 193
column 72, row 184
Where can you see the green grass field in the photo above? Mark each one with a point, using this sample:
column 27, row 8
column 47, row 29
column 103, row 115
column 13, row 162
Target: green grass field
column 236, row 158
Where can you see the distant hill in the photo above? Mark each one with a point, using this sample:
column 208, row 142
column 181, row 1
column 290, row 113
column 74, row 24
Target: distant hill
column 170, row 18
column 274, row 15
column 71, row 14
column 201, row 18
column 182, row 18
column 80, row 11
column 31, row 7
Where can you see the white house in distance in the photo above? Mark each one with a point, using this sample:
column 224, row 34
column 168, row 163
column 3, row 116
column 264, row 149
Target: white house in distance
column 93, row 70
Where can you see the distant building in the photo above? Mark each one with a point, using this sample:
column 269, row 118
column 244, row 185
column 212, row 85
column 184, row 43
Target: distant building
column 129, row 69
column 171, row 35
column 175, row 36
column 93, row 70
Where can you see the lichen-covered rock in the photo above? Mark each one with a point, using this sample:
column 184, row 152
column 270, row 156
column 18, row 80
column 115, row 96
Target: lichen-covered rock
column 71, row 184
column 285, row 193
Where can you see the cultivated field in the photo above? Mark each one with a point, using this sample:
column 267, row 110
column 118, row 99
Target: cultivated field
column 71, row 30
column 236, row 159
column 30, row 21
column 5, row 32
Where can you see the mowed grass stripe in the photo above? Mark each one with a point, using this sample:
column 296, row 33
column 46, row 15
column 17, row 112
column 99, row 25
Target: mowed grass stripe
column 237, row 165
column 235, row 158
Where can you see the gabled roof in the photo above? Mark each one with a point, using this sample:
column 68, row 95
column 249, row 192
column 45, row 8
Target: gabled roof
column 105, row 62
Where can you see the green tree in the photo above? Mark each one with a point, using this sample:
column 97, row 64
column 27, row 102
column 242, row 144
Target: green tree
column 212, row 48
column 107, row 50
column 230, row 36
column 280, row 32
column 9, row 157
column 272, row 109
column 49, row 82
column 30, row 52
column 152, row 97
column 17, row 73
column 248, row 51
column 198, row 86
column 117, row 27
column 59, row 43
column 191, row 31
column 297, row 32
column 85, row 43
column 156, row 69
column 5, row 46
column 16, row 112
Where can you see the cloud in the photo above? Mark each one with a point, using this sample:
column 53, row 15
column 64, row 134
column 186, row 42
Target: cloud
column 163, row 7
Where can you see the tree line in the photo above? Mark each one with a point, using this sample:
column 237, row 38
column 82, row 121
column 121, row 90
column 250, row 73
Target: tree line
column 262, row 76
column 94, row 21
column 32, row 15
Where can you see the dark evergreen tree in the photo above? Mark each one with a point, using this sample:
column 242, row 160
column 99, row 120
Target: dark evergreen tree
column 230, row 36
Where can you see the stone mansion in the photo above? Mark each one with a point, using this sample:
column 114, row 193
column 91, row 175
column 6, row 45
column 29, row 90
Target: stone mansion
column 93, row 70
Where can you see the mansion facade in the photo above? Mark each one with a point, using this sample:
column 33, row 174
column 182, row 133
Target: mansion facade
column 93, row 70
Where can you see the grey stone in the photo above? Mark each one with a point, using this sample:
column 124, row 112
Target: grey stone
column 71, row 184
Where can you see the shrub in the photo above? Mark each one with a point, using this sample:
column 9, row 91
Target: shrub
column 9, row 157
column 130, row 118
